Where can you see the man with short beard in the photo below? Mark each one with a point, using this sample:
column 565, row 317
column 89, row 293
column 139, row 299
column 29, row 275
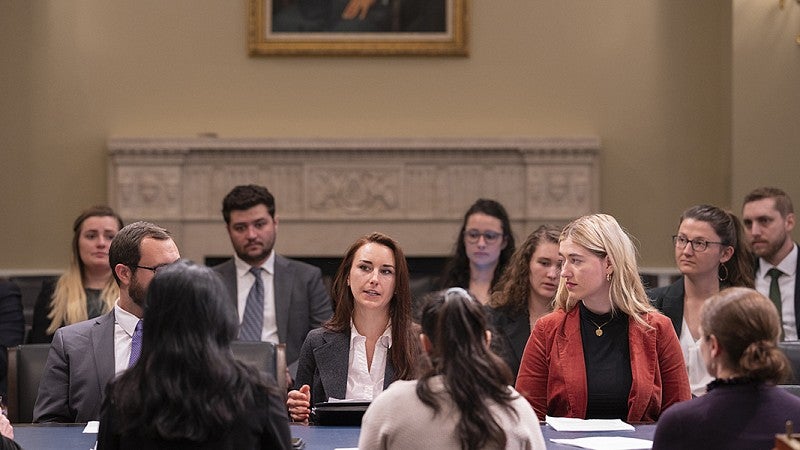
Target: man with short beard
column 291, row 300
column 768, row 218
column 85, row 356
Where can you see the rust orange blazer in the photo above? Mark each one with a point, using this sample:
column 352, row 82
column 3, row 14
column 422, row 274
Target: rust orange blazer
column 552, row 374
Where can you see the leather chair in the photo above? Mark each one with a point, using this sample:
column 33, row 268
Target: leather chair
column 25, row 367
column 265, row 356
column 792, row 351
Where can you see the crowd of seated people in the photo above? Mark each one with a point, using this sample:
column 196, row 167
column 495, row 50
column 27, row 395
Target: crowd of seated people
column 562, row 325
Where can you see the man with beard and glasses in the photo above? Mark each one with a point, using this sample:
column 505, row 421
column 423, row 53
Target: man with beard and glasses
column 85, row 356
column 768, row 218
column 278, row 299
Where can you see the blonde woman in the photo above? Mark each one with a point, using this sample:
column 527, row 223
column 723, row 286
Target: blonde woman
column 87, row 289
column 604, row 352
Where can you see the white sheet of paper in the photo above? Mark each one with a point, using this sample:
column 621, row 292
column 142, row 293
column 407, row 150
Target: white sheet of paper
column 570, row 424
column 92, row 427
column 608, row 443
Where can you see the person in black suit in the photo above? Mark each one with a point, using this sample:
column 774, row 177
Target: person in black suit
column 768, row 217
column 294, row 299
column 187, row 390
column 12, row 325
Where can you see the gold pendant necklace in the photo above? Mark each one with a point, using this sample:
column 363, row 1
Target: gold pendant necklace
column 599, row 330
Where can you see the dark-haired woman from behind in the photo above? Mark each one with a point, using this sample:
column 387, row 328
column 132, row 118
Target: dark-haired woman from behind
column 743, row 408
column 463, row 399
column 186, row 390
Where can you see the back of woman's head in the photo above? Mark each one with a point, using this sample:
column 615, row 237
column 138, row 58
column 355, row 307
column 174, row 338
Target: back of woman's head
column 514, row 287
column 746, row 325
column 737, row 270
column 186, row 363
column 602, row 235
column 457, row 269
column 455, row 325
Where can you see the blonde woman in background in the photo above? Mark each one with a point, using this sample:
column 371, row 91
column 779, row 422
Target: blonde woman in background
column 87, row 289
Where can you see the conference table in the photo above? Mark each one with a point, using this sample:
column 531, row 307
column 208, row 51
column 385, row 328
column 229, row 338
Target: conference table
column 71, row 436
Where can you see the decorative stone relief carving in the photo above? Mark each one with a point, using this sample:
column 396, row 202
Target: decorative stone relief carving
column 328, row 190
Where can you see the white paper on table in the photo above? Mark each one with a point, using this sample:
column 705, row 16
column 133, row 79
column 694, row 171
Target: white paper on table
column 571, row 424
column 607, row 443
column 92, row 427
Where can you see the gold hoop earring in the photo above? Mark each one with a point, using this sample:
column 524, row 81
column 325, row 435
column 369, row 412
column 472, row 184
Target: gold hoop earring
column 724, row 277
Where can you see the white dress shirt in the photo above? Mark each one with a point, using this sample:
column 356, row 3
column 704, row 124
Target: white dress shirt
column 124, row 326
column 787, row 284
column 695, row 365
column 366, row 382
column 245, row 281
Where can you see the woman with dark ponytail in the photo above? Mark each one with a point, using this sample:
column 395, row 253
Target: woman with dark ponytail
column 711, row 252
column 743, row 408
column 462, row 399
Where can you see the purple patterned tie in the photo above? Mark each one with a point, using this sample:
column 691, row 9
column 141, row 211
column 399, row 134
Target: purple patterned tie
column 253, row 320
column 136, row 344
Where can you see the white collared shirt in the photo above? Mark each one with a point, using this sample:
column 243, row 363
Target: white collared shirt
column 787, row 284
column 363, row 382
column 695, row 364
column 124, row 326
column 245, row 281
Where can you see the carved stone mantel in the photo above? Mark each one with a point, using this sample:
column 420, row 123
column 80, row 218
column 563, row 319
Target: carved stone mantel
column 329, row 192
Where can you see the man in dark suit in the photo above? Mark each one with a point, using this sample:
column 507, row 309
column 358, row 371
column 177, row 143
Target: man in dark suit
column 768, row 217
column 12, row 325
column 279, row 300
column 85, row 356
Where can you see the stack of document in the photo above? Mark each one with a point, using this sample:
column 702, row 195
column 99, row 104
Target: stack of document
column 597, row 442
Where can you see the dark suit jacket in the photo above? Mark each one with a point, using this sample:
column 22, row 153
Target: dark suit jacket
column 796, row 290
column 510, row 333
column 669, row 300
column 323, row 365
column 12, row 325
column 79, row 365
column 302, row 302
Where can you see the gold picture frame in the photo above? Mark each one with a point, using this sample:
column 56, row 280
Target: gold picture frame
column 385, row 27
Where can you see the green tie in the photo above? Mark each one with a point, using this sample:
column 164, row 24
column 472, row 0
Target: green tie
column 775, row 293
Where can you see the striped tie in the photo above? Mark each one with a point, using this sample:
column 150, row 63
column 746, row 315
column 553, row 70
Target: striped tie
column 253, row 321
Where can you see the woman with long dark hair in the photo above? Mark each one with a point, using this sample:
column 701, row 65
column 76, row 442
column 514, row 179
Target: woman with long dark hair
column 711, row 253
column 484, row 246
column 186, row 390
column 369, row 342
column 463, row 398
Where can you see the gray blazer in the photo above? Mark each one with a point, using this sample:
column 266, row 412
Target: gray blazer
column 78, row 367
column 302, row 302
column 323, row 365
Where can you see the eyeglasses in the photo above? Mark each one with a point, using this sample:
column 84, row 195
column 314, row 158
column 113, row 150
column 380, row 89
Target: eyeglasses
column 153, row 269
column 698, row 245
column 473, row 236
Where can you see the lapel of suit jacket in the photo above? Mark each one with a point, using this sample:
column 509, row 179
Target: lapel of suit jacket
column 673, row 304
column 103, row 348
column 282, row 285
column 228, row 272
column 644, row 358
column 797, row 293
column 569, row 346
column 332, row 359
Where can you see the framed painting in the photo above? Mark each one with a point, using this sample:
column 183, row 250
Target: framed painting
column 357, row 27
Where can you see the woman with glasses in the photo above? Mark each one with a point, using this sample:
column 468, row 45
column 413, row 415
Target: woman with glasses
column 484, row 247
column 462, row 399
column 711, row 253
column 370, row 341
column 87, row 289
column 525, row 293
column 604, row 353
column 743, row 408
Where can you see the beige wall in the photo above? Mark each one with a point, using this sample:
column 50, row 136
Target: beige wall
column 651, row 78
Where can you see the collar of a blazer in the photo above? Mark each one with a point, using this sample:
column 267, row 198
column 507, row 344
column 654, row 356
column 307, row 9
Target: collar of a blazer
column 643, row 353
